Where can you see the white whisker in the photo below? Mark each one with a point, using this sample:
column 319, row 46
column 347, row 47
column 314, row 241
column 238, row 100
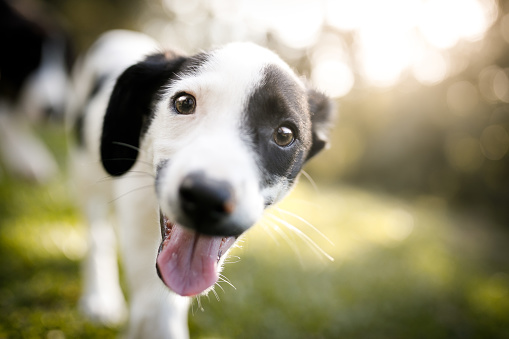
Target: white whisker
column 129, row 159
column 106, row 179
column 240, row 241
column 305, row 222
column 224, row 279
column 131, row 191
column 228, row 261
column 128, row 146
column 198, row 304
column 290, row 243
column 142, row 173
column 215, row 293
column 311, row 181
column 268, row 229
column 131, row 174
column 219, row 285
column 313, row 245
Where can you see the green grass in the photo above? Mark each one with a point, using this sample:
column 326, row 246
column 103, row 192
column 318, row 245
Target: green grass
column 402, row 269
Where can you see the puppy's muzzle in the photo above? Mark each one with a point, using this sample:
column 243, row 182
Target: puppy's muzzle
column 207, row 205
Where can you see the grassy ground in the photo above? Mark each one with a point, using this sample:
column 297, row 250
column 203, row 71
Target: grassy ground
column 401, row 269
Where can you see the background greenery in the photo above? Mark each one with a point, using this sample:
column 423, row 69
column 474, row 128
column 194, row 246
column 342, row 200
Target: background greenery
column 414, row 204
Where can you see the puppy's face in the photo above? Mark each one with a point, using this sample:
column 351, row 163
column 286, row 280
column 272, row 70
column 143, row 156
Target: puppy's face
column 229, row 133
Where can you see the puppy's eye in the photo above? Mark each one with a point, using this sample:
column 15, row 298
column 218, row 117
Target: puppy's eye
column 283, row 136
column 185, row 104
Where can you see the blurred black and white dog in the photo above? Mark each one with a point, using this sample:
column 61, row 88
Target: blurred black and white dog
column 35, row 59
column 198, row 147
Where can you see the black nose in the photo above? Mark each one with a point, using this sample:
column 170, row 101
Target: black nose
column 207, row 203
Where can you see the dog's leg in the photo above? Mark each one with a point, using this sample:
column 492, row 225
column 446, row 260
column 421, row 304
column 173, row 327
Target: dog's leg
column 155, row 312
column 158, row 313
column 102, row 300
column 24, row 155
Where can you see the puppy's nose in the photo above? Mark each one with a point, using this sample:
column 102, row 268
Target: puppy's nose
column 206, row 202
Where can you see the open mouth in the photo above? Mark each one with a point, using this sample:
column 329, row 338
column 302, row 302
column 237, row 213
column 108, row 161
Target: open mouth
column 189, row 262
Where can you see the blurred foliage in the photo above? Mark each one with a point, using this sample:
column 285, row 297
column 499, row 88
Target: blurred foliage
column 86, row 20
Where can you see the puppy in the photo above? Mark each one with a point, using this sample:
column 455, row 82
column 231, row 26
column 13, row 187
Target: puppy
column 196, row 147
column 34, row 68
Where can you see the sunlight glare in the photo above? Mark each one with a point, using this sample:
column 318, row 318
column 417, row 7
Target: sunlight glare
column 344, row 15
column 436, row 24
column 383, row 55
column 333, row 77
column 430, row 68
column 398, row 224
column 226, row 10
column 181, row 7
column 386, row 39
column 472, row 22
column 299, row 27
column 444, row 22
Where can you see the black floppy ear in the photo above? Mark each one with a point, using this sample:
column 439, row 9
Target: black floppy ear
column 321, row 110
column 130, row 107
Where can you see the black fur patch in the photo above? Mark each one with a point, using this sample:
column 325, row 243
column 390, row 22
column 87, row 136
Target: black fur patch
column 130, row 109
column 278, row 101
column 321, row 110
column 21, row 41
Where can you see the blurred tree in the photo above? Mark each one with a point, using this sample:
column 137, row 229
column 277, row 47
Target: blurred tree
column 86, row 20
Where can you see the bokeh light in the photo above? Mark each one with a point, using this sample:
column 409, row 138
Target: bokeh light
column 504, row 27
column 389, row 39
column 333, row 77
column 462, row 98
column 464, row 153
column 430, row 67
column 501, row 85
column 494, row 142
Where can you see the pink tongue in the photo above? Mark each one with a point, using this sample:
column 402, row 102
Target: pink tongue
column 188, row 261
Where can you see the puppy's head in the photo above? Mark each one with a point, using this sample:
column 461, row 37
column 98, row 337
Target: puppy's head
column 228, row 133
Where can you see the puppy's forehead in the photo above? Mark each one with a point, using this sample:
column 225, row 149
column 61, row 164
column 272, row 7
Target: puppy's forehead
column 242, row 65
column 246, row 58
